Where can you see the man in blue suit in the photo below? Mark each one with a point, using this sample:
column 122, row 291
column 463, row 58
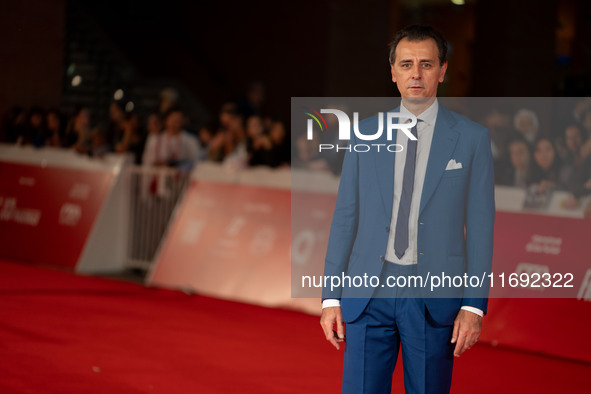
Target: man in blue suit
column 423, row 212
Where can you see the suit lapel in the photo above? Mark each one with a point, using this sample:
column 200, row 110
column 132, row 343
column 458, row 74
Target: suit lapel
column 442, row 147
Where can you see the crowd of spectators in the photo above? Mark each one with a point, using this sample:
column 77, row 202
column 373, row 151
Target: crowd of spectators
column 537, row 150
column 543, row 159
column 527, row 153
column 242, row 136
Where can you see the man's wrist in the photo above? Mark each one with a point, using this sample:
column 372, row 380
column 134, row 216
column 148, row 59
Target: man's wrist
column 330, row 302
column 479, row 312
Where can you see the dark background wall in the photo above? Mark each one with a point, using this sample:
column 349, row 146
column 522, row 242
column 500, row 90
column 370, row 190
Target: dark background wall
column 31, row 52
column 303, row 48
column 516, row 51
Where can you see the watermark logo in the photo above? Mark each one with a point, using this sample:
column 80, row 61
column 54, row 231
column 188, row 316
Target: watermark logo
column 316, row 116
column 393, row 121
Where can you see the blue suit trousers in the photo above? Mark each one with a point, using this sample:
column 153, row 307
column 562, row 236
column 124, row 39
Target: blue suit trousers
column 396, row 318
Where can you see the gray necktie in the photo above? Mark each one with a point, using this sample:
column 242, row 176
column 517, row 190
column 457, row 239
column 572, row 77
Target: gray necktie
column 401, row 237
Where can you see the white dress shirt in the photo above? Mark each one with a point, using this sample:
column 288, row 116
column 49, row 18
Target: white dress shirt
column 425, row 129
column 183, row 147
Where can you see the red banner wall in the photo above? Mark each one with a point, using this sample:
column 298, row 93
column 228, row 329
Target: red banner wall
column 530, row 243
column 47, row 213
column 229, row 241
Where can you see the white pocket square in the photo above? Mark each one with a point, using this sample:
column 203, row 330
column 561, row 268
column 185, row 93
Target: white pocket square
column 452, row 165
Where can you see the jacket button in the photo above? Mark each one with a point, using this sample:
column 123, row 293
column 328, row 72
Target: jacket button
column 382, row 258
column 421, row 222
column 387, row 229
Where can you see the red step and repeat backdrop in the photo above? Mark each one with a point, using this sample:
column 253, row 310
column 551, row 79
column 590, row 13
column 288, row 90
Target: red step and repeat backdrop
column 234, row 241
column 47, row 213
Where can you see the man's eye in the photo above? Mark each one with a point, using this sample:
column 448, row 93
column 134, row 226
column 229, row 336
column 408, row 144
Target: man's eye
column 426, row 65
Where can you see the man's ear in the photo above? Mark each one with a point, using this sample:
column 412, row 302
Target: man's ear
column 392, row 71
column 442, row 73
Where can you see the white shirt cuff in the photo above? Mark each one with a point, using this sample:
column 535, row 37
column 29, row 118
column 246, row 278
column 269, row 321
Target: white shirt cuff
column 466, row 308
column 330, row 303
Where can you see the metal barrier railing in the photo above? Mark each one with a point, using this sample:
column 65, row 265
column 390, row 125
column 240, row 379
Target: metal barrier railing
column 154, row 193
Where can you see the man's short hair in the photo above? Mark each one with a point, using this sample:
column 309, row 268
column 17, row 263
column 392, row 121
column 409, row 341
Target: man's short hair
column 518, row 139
column 171, row 111
column 419, row 33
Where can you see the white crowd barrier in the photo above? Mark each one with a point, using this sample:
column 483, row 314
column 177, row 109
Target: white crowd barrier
column 153, row 196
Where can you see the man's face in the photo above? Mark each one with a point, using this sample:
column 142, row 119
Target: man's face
column 519, row 155
column 154, row 124
column 525, row 124
column 544, row 154
column 574, row 140
column 416, row 69
column 174, row 122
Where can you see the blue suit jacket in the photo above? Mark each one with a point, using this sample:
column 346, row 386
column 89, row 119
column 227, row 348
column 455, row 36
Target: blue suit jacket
column 456, row 217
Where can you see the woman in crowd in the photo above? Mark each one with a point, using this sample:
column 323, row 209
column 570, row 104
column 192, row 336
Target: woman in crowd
column 55, row 127
column 586, row 129
column 572, row 173
column 205, row 136
column 518, row 172
column 14, row 125
column 133, row 136
column 231, row 137
column 258, row 143
column 78, row 133
column 546, row 168
column 154, row 126
column 280, row 154
column 575, row 171
column 116, row 135
column 36, row 129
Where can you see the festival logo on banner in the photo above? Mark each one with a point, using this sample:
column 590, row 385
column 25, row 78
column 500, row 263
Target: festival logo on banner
column 47, row 213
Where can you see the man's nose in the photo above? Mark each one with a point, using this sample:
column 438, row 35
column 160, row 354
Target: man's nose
column 416, row 72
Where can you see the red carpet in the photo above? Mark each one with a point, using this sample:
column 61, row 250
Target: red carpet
column 61, row 333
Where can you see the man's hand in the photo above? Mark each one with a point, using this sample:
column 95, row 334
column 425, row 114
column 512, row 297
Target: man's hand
column 466, row 331
column 329, row 317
